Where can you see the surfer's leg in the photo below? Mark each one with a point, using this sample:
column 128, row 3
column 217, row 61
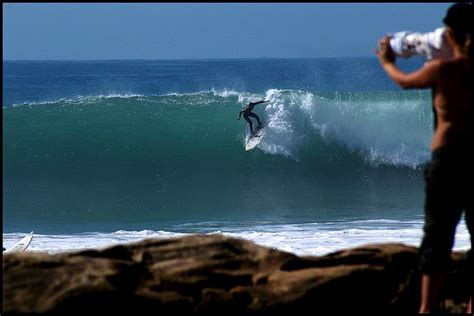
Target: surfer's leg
column 250, row 123
column 256, row 116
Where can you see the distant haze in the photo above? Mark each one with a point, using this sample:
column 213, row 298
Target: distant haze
column 206, row 30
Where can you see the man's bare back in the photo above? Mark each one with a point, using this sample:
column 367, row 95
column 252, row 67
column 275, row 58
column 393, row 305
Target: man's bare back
column 453, row 102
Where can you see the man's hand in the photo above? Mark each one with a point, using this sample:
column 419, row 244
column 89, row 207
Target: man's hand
column 424, row 77
column 385, row 54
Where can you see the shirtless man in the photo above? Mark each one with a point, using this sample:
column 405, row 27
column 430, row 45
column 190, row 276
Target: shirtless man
column 448, row 177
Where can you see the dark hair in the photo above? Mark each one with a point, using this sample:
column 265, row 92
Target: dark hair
column 460, row 18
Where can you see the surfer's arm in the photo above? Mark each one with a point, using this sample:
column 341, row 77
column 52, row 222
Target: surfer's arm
column 240, row 114
column 260, row 102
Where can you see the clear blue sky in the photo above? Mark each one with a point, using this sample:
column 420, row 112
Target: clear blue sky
column 207, row 30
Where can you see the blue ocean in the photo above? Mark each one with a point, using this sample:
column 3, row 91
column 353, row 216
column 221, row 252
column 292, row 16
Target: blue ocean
column 103, row 152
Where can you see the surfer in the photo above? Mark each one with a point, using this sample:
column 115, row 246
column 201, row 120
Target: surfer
column 449, row 174
column 248, row 113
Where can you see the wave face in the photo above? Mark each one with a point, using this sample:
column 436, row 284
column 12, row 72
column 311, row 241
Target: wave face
column 148, row 158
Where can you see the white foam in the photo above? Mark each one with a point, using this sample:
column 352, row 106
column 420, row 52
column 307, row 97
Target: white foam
column 390, row 131
column 301, row 239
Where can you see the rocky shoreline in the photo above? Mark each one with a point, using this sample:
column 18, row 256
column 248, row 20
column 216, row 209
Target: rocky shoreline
column 215, row 274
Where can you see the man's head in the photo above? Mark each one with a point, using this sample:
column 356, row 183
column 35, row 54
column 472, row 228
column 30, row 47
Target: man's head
column 460, row 19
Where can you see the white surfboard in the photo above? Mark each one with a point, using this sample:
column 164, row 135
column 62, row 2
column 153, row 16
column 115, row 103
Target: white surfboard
column 22, row 244
column 253, row 141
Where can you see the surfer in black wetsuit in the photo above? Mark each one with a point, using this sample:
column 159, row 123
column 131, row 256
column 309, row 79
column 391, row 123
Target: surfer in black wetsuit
column 248, row 112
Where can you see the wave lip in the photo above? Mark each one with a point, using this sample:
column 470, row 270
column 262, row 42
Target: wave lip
column 87, row 99
column 80, row 99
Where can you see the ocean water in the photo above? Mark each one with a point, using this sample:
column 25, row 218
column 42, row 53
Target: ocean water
column 103, row 152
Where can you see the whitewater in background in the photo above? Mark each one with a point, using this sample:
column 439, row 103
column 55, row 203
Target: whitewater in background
column 98, row 153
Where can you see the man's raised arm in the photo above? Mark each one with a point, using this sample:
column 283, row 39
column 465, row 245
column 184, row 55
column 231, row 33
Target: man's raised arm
column 422, row 78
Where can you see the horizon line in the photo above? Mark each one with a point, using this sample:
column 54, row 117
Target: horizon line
column 163, row 59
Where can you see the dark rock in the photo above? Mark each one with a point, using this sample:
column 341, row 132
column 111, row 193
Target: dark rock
column 210, row 274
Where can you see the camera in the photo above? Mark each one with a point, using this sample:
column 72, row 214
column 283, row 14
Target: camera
column 430, row 45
